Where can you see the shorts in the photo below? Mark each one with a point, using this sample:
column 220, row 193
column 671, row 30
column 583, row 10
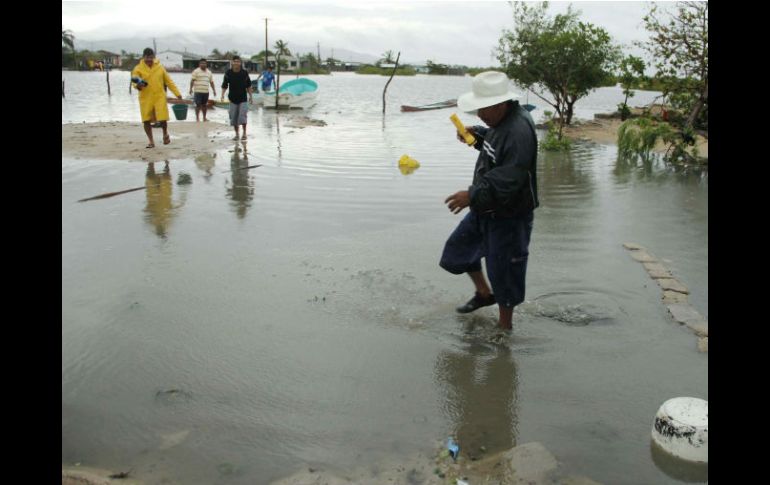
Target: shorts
column 503, row 241
column 238, row 112
column 201, row 99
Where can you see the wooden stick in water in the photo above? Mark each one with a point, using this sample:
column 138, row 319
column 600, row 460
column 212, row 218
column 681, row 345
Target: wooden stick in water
column 244, row 168
column 387, row 83
column 112, row 194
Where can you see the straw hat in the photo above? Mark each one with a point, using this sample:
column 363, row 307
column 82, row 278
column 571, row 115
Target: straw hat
column 489, row 88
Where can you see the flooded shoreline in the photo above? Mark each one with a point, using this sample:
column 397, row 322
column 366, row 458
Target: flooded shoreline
column 238, row 327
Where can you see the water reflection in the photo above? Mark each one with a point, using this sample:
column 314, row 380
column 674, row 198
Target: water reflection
column 241, row 187
column 268, row 121
column 685, row 471
column 205, row 162
column 480, row 383
column 629, row 169
column 160, row 208
column 565, row 176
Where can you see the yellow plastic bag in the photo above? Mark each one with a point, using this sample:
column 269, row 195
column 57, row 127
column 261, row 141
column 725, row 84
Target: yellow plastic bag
column 407, row 164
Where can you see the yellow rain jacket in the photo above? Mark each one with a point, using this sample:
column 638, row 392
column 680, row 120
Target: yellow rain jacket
column 153, row 96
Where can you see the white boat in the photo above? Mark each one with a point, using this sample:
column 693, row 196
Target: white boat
column 298, row 93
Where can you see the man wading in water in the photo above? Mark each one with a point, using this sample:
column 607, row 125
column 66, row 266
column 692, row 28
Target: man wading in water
column 501, row 199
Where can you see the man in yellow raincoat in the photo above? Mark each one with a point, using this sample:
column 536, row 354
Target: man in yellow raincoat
column 152, row 95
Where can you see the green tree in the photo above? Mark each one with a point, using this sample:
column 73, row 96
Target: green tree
column 387, row 58
column 631, row 74
column 67, row 47
column 310, row 59
column 261, row 55
column 68, row 39
column 434, row 68
column 679, row 47
column 215, row 54
column 637, row 139
column 561, row 55
column 313, row 64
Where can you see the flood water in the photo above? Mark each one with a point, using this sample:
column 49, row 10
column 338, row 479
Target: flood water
column 253, row 322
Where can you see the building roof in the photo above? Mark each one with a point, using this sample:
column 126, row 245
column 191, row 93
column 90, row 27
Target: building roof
column 185, row 55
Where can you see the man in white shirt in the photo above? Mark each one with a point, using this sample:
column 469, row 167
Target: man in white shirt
column 202, row 78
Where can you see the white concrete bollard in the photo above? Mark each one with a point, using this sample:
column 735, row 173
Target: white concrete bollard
column 681, row 428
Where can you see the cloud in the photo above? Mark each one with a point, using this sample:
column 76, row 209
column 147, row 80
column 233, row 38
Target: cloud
column 443, row 31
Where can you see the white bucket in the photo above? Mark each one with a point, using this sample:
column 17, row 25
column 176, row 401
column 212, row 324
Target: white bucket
column 681, row 428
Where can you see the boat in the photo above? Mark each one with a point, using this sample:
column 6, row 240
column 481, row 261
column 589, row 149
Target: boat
column 443, row 104
column 210, row 103
column 297, row 93
column 226, row 103
column 529, row 107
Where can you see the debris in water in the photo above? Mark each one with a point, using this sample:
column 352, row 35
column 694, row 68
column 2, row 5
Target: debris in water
column 454, row 448
column 244, row 168
column 184, row 179
column 121, row 474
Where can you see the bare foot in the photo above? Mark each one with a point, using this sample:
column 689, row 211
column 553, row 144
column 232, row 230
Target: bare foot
column 243, row 137
column 166, row 140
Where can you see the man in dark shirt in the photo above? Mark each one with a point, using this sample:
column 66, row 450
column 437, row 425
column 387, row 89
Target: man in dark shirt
column 501, row 199
column 238, row 81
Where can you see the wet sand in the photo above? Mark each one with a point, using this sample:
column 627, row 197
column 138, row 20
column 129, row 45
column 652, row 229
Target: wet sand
column 81, row 475
column 126, row 141
column 526, row 464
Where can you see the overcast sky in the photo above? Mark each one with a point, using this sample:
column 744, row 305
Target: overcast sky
column 452, row 32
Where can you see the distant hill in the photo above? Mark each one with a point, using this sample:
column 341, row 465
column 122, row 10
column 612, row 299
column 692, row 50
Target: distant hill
column 203, row 44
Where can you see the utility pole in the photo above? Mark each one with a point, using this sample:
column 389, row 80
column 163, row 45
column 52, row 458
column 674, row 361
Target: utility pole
column 265, row 67
column 154, row 47
column 319, row 53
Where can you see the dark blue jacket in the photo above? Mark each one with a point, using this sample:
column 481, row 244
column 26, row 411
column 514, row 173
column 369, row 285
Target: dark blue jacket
column 505, row 178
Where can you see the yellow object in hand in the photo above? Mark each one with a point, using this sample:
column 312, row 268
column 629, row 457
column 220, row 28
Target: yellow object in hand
column 469, row 139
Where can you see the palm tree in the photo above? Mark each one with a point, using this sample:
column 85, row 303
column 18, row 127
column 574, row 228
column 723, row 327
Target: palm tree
column 68, row 39
column 387, row 58
column 281, row 49
column 68, row 43
column 216, row 54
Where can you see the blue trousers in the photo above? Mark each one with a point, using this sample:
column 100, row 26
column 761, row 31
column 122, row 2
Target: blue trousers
column 503, row 241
